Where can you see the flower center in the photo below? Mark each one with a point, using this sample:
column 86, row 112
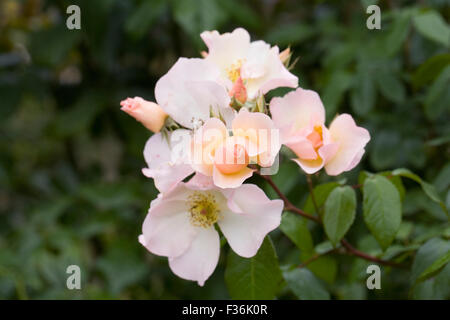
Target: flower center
column 203, row 209
column 234, row 71
column 316, row 137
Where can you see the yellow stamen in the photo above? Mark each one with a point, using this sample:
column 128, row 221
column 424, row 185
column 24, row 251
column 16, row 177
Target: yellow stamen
column 316, row 137
column 203, row 209
column 234, row 71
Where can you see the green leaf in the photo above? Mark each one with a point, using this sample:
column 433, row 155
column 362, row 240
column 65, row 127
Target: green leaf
column 352, row 291
column 404, row 231
column 295, row 228
column 397, row 181
column 397, row 34
column 289, row 34
column 430, row 70
column 245, row 16
column 390, row 86
column 109, row 196
column 435, row 268
column 305, row 285
column 51, row 46
column 340, row 209
column 437, row 100
column 432, row 26
column 84, row 111
column 122, row 266
column 395, row 250
column 428, row 188
column 366, row 3
column 323, row 247
column 435, row 288
column 428, row 253
column 363, row 94
column 427, row 262
column 442, row 180
column 338, row 59
column 47, row 212
column 385, row 149
column 195, row 16
column 144, row 16
column 321, row 193
column 11, row 94
column 324, row 268
column 382, row 209
column 334, row 90
column 255, row 278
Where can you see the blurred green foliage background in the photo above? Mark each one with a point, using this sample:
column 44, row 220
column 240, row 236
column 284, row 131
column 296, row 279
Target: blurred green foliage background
column 71, row 191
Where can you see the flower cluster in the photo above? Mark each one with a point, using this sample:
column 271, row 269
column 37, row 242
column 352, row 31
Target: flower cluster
column 212, row 130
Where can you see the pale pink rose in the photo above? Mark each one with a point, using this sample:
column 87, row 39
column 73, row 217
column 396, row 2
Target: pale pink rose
column 148, row 113
column 257, row 63
column 190, row 92
column 300, row 116
column 180, row 225
column 167, row 165
column 224, row 157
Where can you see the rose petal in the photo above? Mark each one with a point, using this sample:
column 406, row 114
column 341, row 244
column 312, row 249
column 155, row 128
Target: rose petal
column 260, row 130
column 231, row 180
column 252, row 216
column 351, row 139
column 188, row 91
column 226, row 49
column 167, row 230
column 200, row 260
column 310, row 166
column 165, row 165
column 297, row 110
column 302, row 147
column 204, row 144
column 201, row 181
column 264, row 70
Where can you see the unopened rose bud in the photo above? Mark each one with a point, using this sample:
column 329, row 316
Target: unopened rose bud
column 239, row 92
column 204, row 54
column 148, row 113
column 285, row 56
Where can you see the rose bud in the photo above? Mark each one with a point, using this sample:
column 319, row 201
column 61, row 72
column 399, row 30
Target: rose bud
column 148, row 113
column 285, row 56
column 239, row 92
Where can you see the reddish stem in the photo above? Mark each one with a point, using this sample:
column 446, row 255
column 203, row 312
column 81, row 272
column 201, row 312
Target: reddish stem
column 356, row 252
column 288, row 206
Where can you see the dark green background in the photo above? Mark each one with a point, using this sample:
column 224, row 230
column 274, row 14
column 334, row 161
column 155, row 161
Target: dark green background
column 71, row 190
